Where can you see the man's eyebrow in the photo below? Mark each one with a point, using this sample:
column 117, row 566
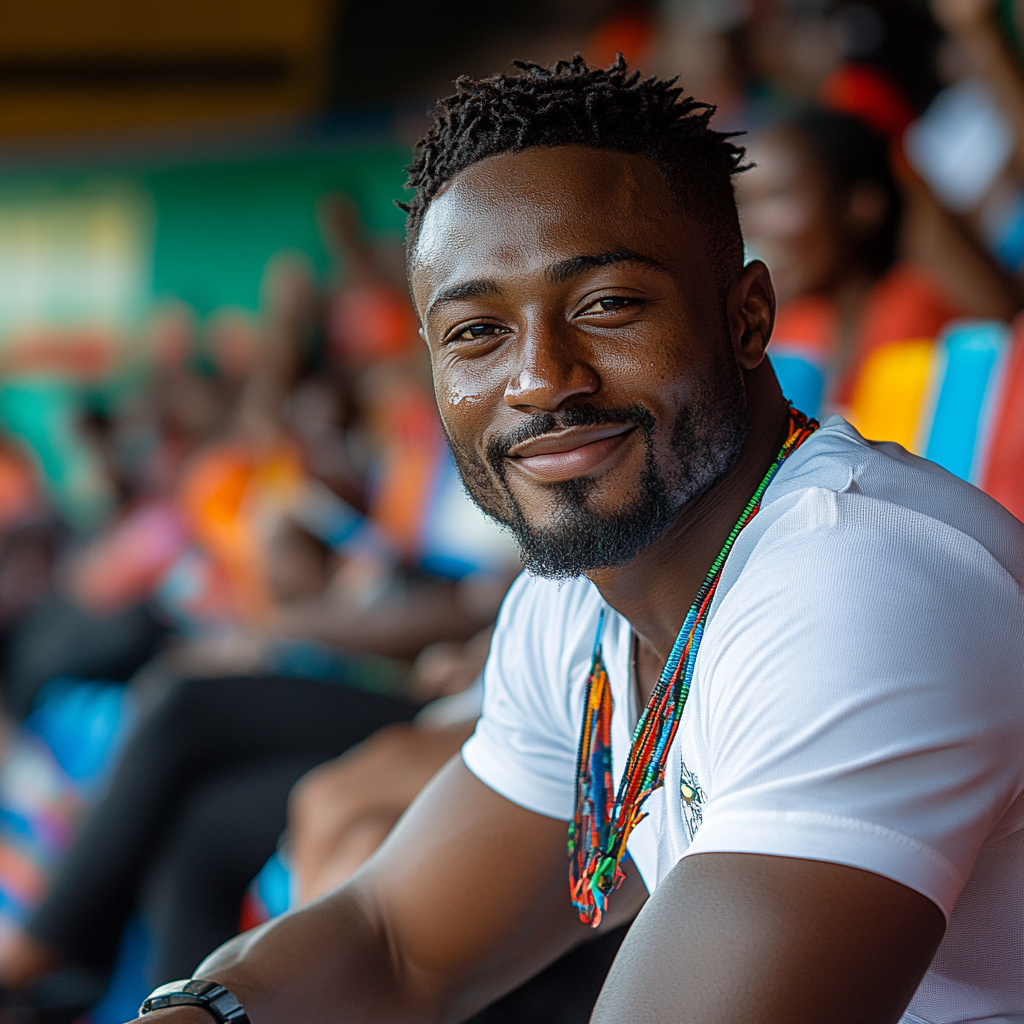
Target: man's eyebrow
column 556, row 273
column 466, row 290
column 576, row 265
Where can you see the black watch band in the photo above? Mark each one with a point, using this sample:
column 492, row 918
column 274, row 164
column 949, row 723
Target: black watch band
column 212, row 996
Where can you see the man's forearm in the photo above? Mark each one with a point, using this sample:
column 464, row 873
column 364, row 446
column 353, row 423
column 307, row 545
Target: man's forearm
column 325, row 964
column 422, row 933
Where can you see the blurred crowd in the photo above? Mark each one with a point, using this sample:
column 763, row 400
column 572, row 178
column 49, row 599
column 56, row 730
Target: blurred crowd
column 284, row 508
column 243, row 616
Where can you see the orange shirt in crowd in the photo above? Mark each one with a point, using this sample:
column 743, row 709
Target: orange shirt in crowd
column 904, row 304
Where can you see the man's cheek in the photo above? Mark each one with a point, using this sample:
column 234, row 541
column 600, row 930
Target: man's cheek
column 463, row 382
column 464, row 431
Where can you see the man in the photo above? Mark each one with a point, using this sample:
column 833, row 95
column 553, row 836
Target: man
column 840, row 828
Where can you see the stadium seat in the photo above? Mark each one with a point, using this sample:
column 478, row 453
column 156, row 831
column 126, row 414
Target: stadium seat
column 958, row 401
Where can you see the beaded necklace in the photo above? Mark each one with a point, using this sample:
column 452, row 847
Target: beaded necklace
column 603, row 819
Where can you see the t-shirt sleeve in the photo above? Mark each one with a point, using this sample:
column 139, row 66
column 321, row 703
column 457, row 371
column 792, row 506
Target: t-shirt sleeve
column 524, row 746
column 865, row 697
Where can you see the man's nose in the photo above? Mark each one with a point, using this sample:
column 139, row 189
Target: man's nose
column 552, row 367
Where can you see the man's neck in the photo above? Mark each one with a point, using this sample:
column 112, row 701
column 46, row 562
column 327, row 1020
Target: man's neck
column 655, row 590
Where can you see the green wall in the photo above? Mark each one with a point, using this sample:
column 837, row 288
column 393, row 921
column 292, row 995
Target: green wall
column 214, row 225
column 217, row 225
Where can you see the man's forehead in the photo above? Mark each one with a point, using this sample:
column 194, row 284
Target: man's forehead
column 533, row 208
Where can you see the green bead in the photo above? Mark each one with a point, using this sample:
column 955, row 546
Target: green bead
column 604, row 878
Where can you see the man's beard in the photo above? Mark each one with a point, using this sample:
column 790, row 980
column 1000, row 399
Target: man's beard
column 707, row 438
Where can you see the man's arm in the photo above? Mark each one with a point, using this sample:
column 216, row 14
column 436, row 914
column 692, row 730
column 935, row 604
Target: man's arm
column 731, row 937
column 466, row 899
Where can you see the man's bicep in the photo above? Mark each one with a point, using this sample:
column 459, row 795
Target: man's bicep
column 744, row 937
column 473, row 891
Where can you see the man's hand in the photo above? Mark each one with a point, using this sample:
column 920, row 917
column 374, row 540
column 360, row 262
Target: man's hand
column 178, row 1015
column 340, row 812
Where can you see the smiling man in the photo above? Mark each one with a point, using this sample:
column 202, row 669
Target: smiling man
column 769, row 673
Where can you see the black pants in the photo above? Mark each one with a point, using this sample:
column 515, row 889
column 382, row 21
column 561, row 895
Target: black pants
column 61, row 638
column 193, row 809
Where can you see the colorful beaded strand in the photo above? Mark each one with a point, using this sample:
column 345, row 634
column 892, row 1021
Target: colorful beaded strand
column 602, row 822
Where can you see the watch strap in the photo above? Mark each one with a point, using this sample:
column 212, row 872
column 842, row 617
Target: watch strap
column 211, row 996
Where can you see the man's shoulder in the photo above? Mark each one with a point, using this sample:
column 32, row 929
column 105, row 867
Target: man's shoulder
column 876, row 496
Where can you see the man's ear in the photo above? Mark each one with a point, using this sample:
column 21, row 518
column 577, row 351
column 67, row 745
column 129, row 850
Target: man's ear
column 751, row 312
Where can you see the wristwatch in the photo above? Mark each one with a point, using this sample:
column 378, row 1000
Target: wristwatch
column 212, row 996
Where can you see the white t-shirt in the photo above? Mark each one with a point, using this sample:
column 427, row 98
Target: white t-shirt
column 858, row 698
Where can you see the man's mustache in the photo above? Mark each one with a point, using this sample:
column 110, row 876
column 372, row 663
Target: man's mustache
column 584, row 415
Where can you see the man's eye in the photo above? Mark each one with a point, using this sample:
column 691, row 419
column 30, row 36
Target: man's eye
column 476, row 331
column 608, row 304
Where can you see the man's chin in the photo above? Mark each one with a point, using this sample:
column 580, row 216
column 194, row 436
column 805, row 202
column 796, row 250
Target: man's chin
column 562, row 562
column 569, row 528
column 582, row 541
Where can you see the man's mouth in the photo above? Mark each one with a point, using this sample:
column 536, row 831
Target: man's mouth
column 570, row 453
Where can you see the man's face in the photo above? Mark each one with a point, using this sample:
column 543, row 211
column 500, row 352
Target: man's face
column 581, row 357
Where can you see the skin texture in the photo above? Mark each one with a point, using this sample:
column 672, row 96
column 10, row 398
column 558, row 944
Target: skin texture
column 468, row 895
column 764, row 945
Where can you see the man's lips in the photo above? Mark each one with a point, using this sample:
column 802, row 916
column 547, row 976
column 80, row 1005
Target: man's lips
column 571, row 453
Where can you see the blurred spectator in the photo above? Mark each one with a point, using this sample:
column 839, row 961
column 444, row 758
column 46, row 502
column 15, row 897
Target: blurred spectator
column 969, row 145
column 822, row 206
column 369, row 316
column 282, row 511
column 191, row 811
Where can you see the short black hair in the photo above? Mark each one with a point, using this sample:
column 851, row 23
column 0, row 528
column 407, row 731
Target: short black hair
column 573, row 104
